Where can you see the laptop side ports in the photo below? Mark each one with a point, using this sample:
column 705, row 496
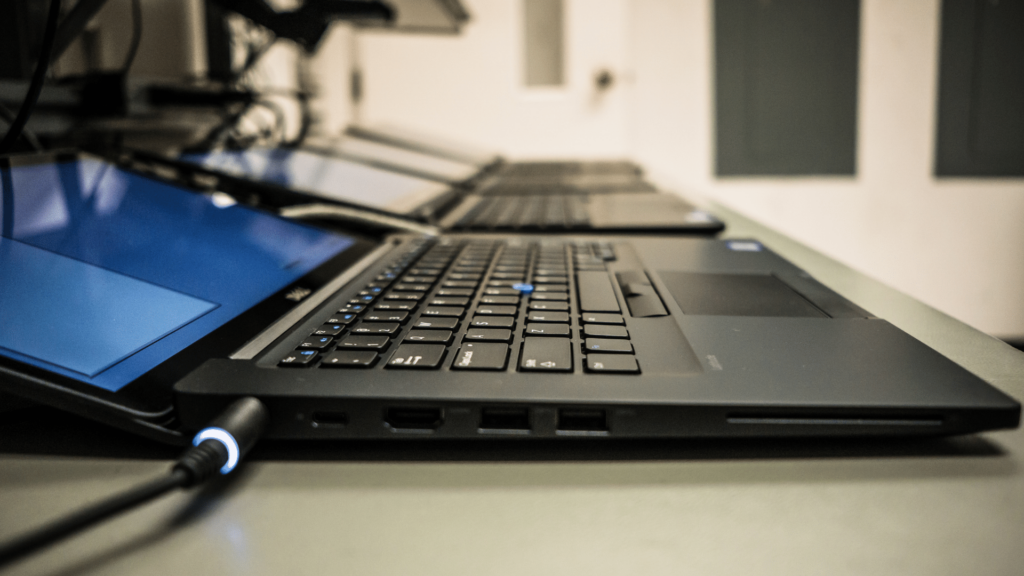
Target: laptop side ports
column 413, row 419
column 504, row 421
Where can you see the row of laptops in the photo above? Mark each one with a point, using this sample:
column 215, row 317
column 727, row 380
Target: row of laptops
column 455, row 194
column 150, row 303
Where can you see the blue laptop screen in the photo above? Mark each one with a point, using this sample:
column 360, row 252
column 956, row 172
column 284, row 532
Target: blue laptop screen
column 104, row 274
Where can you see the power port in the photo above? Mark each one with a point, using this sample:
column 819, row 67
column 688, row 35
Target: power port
column 413, row 419
column 505, row 419
column 582, row 421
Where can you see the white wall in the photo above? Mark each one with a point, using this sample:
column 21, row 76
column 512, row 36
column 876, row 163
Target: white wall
column 469, row 87
column 956, row 244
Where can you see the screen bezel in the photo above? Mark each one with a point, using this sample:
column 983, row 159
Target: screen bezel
column 149, row 397
column 279, row 195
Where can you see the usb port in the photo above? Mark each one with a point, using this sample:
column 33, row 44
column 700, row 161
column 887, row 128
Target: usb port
column 331, row 419
column 509, row 420
column 413, row 419
column 582, row 421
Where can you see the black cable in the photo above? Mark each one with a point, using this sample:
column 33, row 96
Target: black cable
column 36, row 86
column 27, row 134
column 217, row 448
column 133, row 49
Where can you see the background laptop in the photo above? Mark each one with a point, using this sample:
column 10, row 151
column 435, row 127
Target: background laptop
column 317, row 171
column 148, row 306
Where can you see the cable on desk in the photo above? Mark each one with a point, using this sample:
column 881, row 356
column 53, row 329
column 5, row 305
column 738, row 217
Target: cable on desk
column 217, row 448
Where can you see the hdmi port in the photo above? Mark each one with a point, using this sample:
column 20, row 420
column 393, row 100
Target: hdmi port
column 413, row 419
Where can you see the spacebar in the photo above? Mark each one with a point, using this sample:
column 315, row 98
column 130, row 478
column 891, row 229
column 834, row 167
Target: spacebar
column 596, row 292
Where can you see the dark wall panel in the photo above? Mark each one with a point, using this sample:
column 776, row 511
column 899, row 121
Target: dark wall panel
column 980, row 129
column 786, row 86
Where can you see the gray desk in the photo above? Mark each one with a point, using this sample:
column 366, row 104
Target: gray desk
column 931, row 507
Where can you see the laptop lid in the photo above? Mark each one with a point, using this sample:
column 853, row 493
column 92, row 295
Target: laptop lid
column 426, row 143
column 328, row 176
column 414, row 162
column 115, row 284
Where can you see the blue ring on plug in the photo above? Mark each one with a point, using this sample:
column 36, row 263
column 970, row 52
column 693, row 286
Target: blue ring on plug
column 524, row 288
column 224, row 437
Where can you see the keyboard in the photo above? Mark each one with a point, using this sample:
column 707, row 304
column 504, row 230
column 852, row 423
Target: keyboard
column 479, row 305
column 559, row 211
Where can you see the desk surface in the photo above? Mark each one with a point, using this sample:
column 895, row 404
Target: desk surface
column 931, row 507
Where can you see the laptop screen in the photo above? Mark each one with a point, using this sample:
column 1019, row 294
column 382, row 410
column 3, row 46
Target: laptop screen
column 107, row 274
column 324, row 176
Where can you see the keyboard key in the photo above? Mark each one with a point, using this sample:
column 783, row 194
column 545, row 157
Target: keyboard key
column 452, row 311
column 481, row 356
column 363, row 342
column 440, row 323
column 459, row 284
column 341, row 318
column 406, row 296
column 460, row 276
column 417, row 356
column 448, row 301
column 547, row 329
column 329, row 330
column 550, row 279
column 617, row 363
column 604, row 331
column 596, row 293
column 551, row 288
column 317, row 342
column 590, row 318
column 556, row 306
column 349, row 359
column 501, row 292
column 376, row 328
column 490, row 310
column 419, row 279
column 349, row 308
column 395, row 305
column 549, row 296
column 607, row 345
column 544, row 316
column 429, row 336
column 493, row 321
column 499, row 300
column 455, row 292
column 489, row 334
column 546, row 354
column 514, row 276
column 384, row 316
column 412, row 287
column 299, row 359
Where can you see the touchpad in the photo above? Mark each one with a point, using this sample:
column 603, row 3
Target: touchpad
column 737, row 295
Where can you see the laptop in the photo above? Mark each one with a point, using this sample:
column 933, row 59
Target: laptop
column 150, row 306
column 320, row 172
column 594, row 173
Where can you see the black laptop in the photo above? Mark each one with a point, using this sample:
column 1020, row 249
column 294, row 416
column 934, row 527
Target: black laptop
column 149, row 306
column 593, row 173
column 344, row 177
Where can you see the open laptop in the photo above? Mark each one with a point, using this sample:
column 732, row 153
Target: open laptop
column 595, row 174
column 322, row 173
column 149, row 306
